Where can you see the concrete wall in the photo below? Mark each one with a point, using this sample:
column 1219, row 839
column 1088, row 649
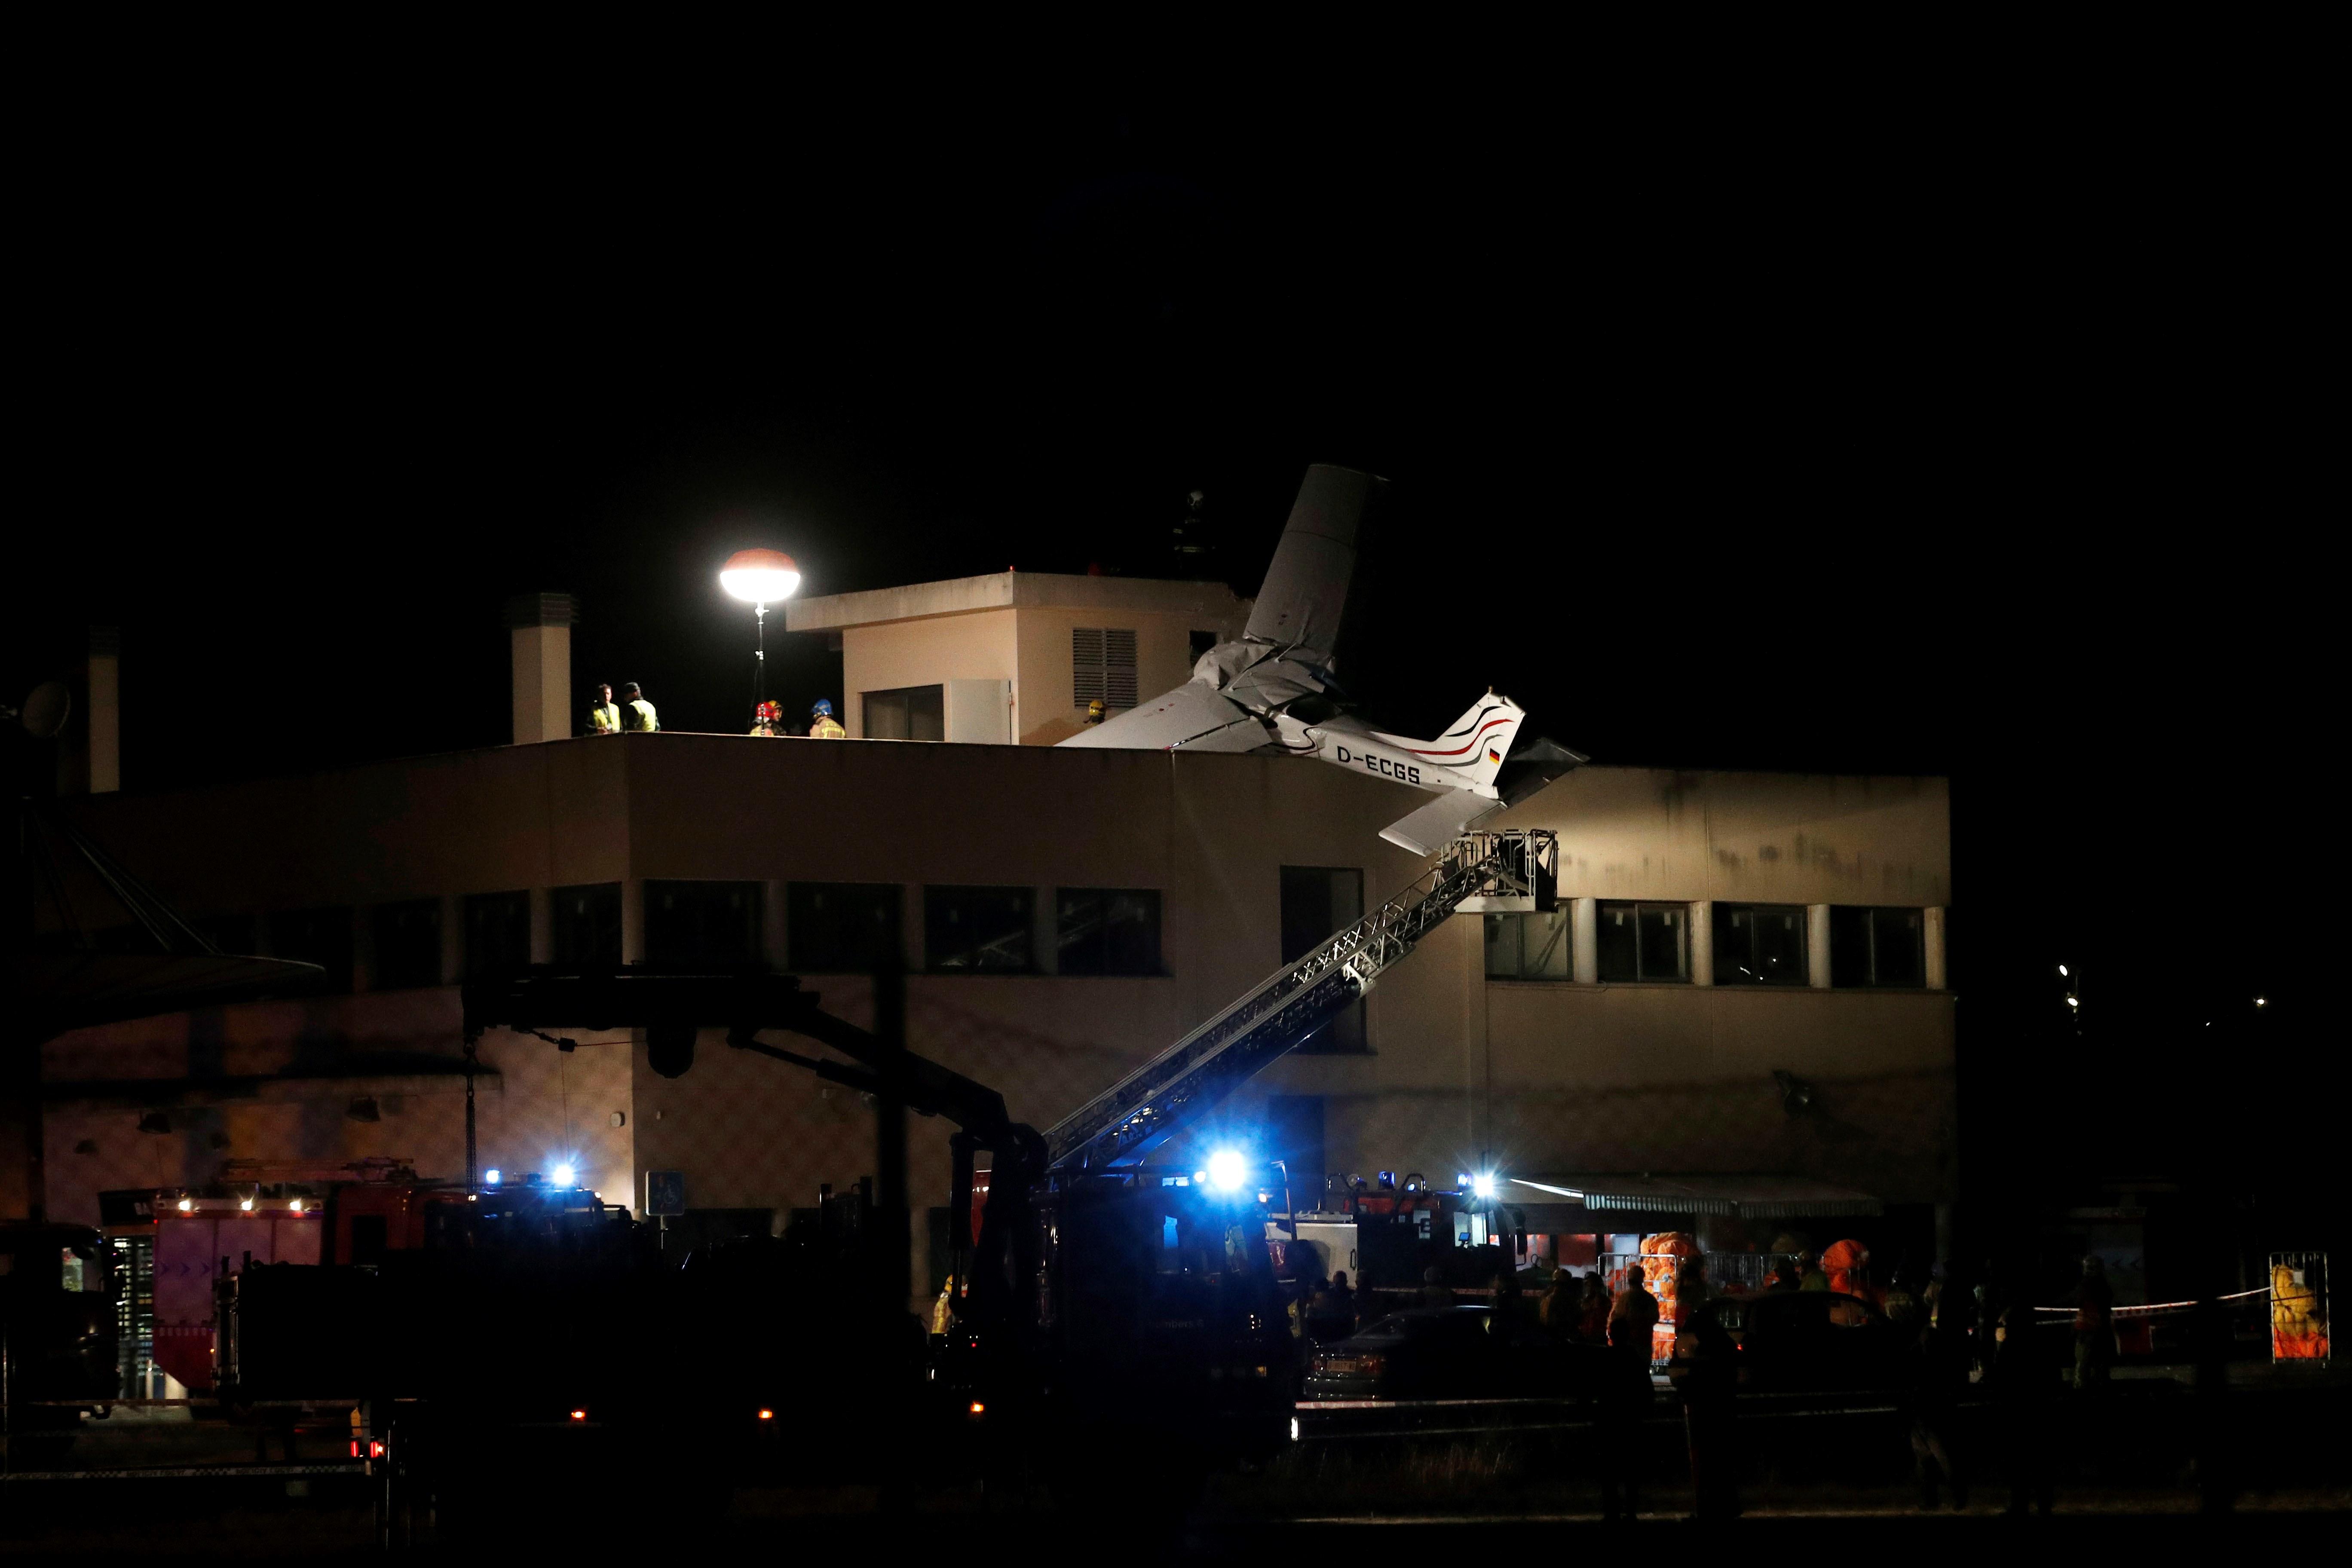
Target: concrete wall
column 976, row 645
column 1163, row 660
column 1540, row 1076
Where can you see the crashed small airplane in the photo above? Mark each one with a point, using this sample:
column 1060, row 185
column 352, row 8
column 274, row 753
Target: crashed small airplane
column 1274, row 690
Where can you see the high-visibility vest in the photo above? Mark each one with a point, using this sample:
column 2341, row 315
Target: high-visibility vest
column 606, row 719
column 641, row 716
column 827, row 728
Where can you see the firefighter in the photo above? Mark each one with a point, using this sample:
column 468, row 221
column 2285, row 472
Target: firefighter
column 1562, row 1306
column 605, row 717
column 1631, row 1317
column 823, row 725
column 1096, row 711
column 2094, row 1327
column 768, row 719
column 1434, row 1292
column 636, row 713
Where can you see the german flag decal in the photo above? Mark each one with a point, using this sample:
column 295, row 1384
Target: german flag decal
column 1494, row 756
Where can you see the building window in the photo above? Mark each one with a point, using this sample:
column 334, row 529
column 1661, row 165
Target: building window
column 715, row 923
column 1877, row 946
column 407, row 944
column 979, row 930
column 1107, row 930
column 1530, row 946
column 1102, row 666
column 497, row 933
column 322, row 937
column 844, row 928
column 587, row 921
column 1645, row 943
column 1759, row 944
column 1316, row 901
column 908, row 713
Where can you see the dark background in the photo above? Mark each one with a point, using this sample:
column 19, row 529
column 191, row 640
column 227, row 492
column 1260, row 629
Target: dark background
column 1963, row 428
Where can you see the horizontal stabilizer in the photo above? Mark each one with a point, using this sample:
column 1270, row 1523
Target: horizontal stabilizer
column 1532, row 764
column 1440, row 822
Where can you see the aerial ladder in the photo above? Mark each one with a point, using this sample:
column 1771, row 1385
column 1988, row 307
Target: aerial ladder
column 1009, row 1308
column 1515, row 870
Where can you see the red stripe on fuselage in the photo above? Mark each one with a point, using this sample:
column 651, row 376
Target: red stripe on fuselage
column 1470, row 745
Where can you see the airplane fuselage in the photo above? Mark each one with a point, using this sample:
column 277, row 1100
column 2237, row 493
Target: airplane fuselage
column 1363, row 750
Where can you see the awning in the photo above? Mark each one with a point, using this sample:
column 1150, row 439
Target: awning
column 1757, row 1196
column 77, row 988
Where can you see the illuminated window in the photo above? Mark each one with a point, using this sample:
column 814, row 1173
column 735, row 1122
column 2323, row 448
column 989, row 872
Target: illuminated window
column 407, row 944
column 979, row 930
column 1877, row 946
column 1107, row 930
column 1645, row 943
column 843, row 928
column 908, row 713
column 1759, row 944
column 1530, row 946
column 1102, row 666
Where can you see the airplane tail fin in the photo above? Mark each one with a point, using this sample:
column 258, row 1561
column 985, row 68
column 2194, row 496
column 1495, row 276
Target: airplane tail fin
column 1477, row 744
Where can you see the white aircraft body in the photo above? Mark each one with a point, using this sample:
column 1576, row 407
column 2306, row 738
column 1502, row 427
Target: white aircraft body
column 1273, row 690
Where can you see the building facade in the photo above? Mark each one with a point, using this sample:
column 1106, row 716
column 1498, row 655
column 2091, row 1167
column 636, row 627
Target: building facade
column 1744, row 977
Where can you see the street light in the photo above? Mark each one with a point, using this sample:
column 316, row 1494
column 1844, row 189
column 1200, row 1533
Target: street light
column 759, row 578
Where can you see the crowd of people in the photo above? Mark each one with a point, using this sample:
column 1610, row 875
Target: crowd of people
column 1984, row 1337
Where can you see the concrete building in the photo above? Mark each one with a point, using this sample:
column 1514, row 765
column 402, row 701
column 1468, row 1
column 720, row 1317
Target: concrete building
column 1013, row 657
column 1063, row 915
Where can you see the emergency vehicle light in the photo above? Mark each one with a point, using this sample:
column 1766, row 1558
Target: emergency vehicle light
column 491, row 1176
column 1226, row 1168
column 245, row 1202
column 564, row 1176
column 187, row 1205
column 1483, row 1186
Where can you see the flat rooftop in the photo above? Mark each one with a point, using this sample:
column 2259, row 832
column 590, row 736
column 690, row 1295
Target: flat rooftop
column 1010, row 590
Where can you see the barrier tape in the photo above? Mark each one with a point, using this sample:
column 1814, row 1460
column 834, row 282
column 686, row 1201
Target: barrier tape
column 2162, row 1306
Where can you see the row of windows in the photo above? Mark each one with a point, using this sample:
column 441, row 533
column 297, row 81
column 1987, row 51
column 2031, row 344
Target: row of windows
column 1755, row 945
column 831, row 928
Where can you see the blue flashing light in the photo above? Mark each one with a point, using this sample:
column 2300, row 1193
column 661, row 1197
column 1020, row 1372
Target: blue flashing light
column 565, row 1176
column 491, row 1176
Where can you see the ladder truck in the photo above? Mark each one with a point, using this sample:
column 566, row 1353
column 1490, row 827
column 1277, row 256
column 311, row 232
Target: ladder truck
column 1099, row 1289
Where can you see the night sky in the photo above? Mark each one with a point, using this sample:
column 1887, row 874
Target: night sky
column 1971, row 436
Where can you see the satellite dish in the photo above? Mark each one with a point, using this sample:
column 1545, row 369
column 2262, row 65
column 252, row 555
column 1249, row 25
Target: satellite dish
column 45, row 712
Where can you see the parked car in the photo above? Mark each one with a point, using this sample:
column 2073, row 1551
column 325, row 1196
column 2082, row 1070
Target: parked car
column 1452, row 1353
column 1808, row 1342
